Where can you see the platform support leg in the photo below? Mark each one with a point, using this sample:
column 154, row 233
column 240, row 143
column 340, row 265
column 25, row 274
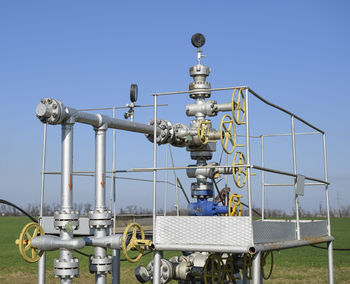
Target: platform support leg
column 156, row 267
column 257, row 277
column 115, row 266
column 330, row 263
column 42, row 269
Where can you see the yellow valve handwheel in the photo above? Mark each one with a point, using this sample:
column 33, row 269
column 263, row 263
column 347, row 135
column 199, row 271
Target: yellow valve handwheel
column 238, row 106
column 234, row 204
column 228, row 268
column 238, row 172
column 134, row 243
column 203, row 131
column 213, row 269
column 264, row 257
column 29, row 232
column 228, row 134
column 247, row 265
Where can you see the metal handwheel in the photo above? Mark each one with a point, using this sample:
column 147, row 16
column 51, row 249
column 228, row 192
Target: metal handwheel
column 213, row 272
column 203, row 131
column 24, row 242
column 238, row 172
column 228, row 134
column 264, row 257
column 238, row 107
column 134, row 243
column 247, row 265
column 234, row 204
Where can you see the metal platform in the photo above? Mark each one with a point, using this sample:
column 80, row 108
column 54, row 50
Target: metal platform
column 234, row 234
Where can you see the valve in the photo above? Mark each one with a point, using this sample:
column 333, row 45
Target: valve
column 238, row 106
column 227, row 126
column 264, row 257
column 237, row 172
column 203, row 131
column 24, row 243
column 134, row 243
column 247, row 265
column 234, row 204
column 213, row 269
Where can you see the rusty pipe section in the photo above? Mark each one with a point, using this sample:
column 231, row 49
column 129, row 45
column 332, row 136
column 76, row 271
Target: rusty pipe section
column 53, row 111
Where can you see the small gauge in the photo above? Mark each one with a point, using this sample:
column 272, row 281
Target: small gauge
column 198, row 40
column 133, row 92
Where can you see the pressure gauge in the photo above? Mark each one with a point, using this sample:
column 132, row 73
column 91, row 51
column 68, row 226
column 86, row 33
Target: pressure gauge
column 198, row 40
column 133, row 92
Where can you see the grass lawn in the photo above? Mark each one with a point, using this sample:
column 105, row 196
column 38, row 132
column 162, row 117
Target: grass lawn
column 299, row 265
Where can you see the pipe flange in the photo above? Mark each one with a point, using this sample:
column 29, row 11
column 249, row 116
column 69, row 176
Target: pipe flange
column 166, row 132
column 50, row 111
column 100, row 265
column 66, row 268
column 68, row 220
column 181, row 135
column 202, row 189
column 100, row 219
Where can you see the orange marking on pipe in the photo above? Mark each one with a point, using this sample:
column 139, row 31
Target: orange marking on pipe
column 70, row 185
column 103, row 181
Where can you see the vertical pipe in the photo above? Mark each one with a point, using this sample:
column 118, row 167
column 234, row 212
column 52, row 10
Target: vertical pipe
column 100, row 192
column 42, row 261
column 176, row 183
column 248, row 155
column 67, row 167
column 166, row 179
column 330, row 244
column 262, row 180
column 295, row 182
column 115, row 253
column 227, row 199
column 66, row 188
column 256, row 277
column 157, row 254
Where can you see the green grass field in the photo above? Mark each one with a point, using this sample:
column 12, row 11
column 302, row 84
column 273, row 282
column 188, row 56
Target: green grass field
column 300, row 265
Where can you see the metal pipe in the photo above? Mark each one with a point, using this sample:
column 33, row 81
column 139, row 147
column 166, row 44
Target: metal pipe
column 41, row 269
column 198, row 90
column 64, row 113
column 115, row 266
column 290, row 134
column 66, row 188
column 250, row 204
column 176, row 185
column 166, row 179
column 292, row 184
column 113, row 108
column 285, row 111
column 295, row 182
column 262, row 180
column 330, row 244
column 256, row 273
column 115, row 253
column 223, row 107
column 42, row 261
column 208, row 248
column 292, row 244
column 67, row 166
column 100, row 193
column 157, row 254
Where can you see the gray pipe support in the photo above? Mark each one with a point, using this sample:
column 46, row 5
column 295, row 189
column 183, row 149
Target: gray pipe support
column 50, row 243
column 52, row 111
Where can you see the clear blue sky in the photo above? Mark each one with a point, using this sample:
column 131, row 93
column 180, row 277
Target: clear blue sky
column 86, row 53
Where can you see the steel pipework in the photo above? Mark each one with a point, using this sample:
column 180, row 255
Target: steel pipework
column 53, row 111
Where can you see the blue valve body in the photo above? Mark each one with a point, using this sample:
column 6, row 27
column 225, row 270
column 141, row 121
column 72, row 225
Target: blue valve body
column 204, row 207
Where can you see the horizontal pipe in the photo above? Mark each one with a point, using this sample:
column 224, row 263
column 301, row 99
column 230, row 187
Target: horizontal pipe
column 288, row 174
column 292, row 184
column 199, row 90
column 284, row 110
column 111, row 108
column 202, row 248
column 223, row 107
column 61, row 113
column 292, row 244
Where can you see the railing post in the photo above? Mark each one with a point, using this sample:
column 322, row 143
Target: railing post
column 295, row 182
